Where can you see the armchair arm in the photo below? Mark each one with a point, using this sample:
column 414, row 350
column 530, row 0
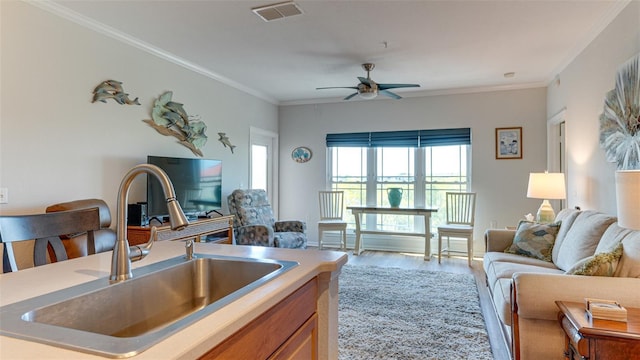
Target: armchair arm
column 260, row 235
column 535, row 294
column 498, row 240
column 291, row 225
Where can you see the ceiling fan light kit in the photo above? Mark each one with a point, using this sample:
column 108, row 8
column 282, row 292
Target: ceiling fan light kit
column 368, row 94
column 369, row 89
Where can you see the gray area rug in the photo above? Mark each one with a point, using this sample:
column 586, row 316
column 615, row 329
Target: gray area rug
column 393, row 313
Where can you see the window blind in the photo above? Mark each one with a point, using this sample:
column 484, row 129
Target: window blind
column 348, row 140
column 443, row 137
column 408, row 138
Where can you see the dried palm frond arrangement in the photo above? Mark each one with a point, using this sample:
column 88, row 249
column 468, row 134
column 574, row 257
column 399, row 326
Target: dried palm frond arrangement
column 620, row 119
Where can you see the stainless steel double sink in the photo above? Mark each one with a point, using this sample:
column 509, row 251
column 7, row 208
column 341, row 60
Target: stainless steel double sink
column 123, row 319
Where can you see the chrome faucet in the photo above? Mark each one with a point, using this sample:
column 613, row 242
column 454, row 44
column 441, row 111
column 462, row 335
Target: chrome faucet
column 123, row 254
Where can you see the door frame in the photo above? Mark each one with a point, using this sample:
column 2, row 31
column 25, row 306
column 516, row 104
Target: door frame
column 556, row 148
column 267, row 138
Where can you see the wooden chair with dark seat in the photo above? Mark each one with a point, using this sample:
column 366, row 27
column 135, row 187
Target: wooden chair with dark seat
column 46, row 230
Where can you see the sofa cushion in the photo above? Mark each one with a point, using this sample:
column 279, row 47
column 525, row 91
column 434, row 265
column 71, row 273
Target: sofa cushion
column 599, row 264
column 629, row 265
column 566, row 217
column 581, row 239
column 504, row 270
column 534, row 240
column 514, row 258
column 491, row 257
column 502, row 300
column 256, row 215
column 290, row 240
column 611, row 238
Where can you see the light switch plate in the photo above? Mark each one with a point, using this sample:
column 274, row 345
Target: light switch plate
column 4, row 195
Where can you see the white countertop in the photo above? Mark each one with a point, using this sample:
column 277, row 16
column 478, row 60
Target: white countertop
column 195, row 339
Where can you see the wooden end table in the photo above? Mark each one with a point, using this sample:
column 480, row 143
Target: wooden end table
column 597, row 339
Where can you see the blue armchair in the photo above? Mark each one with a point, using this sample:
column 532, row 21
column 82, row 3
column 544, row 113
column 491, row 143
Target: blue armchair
column 254, row 223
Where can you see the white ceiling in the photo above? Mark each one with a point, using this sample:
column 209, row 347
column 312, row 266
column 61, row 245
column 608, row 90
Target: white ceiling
column 445, row 46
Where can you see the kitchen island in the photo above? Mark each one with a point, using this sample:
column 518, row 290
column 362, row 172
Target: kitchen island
column 208, row 334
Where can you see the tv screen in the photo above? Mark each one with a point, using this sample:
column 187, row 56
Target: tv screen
column 197, row 183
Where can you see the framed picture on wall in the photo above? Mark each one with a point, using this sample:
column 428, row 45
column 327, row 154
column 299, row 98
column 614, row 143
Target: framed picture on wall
column 509, row 143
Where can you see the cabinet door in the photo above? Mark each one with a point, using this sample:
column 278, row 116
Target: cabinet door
column 265, row 335
column 303, row 345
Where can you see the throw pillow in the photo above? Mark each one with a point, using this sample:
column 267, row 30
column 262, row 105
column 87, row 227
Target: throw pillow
column 534, row 240
column 601, row 264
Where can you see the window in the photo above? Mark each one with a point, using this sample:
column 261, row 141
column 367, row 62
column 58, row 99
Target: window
column 424, row 173
column 446, row 170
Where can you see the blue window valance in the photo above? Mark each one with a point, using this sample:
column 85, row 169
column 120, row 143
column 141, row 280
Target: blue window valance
column 408, row 138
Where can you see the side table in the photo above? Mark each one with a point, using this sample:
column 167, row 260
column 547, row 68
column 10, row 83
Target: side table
column 596, row 339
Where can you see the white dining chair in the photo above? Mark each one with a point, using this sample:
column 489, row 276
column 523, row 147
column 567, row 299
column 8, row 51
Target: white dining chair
column 331, row 213
column 460, row 213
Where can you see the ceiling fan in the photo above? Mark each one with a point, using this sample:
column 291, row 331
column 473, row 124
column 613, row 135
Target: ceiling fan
column 369, row 89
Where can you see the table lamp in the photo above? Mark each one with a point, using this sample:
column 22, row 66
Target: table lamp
column 628, row 198
column 546, row 186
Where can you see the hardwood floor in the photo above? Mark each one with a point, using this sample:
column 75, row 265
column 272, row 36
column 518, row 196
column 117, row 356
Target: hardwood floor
column 453, row 265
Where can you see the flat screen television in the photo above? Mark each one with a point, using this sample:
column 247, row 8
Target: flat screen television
column 197, row 183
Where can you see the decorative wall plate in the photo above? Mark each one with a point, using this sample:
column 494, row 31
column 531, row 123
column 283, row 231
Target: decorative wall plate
column 301, row 154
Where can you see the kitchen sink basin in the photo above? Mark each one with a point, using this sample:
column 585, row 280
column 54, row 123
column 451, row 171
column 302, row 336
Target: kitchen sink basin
column 123, row 319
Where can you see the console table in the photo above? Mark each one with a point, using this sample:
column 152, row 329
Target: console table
column 221, row 227
column 597, row 339
column 358, row 211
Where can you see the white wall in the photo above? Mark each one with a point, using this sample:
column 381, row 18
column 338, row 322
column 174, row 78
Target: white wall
column 582, row 88
column 58, row 146
column 501, row 184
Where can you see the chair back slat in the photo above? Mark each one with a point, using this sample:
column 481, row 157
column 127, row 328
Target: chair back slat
column 461, row 208
column 331, row 205
column 46, row 230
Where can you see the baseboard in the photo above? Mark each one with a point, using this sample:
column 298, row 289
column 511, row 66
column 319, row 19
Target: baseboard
column 396, row 243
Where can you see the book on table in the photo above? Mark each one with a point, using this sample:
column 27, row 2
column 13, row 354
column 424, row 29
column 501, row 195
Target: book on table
column 606, row 309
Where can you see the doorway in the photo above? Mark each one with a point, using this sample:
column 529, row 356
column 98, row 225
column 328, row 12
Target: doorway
column 263, row 163
column 556, row 148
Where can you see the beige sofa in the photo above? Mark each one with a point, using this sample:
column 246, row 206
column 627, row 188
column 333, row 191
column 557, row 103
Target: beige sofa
column 524, row 289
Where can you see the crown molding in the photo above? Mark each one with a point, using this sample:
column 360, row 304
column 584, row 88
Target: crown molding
column 595, row 30
column 103, row 29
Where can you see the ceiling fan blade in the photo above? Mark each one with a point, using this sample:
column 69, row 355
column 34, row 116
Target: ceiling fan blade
column 365, row 81
column 393, row 86
column 350, row 96
column 390, row 94
column 338, row 87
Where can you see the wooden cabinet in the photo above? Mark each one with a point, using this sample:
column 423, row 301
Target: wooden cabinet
column 218, row 230
column 289, row 330
column 596, row 339
column 302, row 344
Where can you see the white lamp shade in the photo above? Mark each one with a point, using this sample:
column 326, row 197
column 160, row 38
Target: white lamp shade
column 547, row 186
column 628, row 198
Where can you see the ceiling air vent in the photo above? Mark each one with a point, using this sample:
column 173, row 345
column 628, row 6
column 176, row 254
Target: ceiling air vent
column 277, row 11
